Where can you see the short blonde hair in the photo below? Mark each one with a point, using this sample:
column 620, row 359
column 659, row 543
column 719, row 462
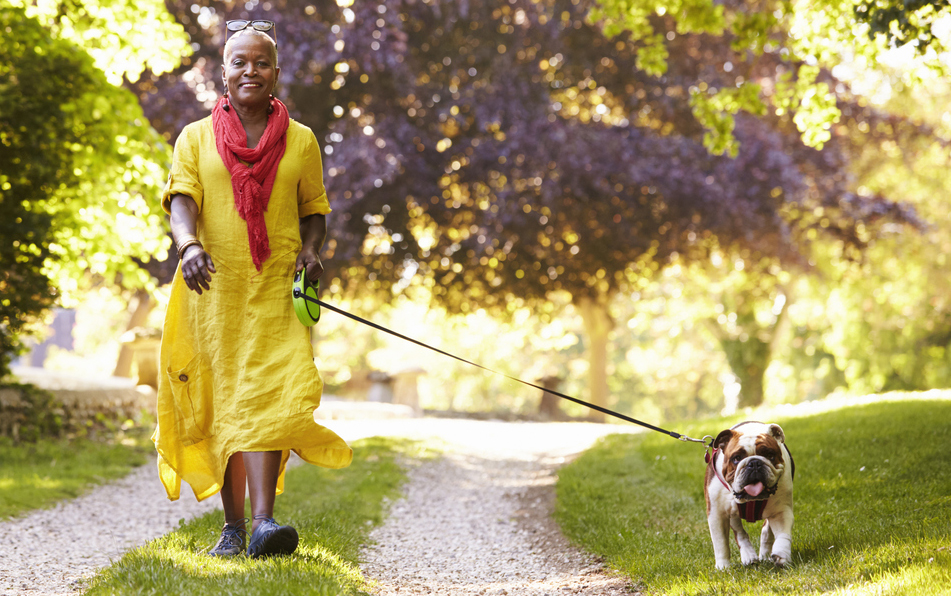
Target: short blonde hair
column 272, row 45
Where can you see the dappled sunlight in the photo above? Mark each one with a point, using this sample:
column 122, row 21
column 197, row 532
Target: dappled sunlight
column 37, row 475
column 177, row 554
column 44, row 483
column 913, row 567
column 329, row 559
column 912, row 578
column 183, row 553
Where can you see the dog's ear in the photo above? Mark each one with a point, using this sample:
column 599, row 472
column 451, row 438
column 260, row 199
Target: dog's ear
column 723, row 438
column 777, row 433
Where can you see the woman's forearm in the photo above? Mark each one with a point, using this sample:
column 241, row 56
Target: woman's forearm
column 196, row 264
column 313, row 231
column 183, row 218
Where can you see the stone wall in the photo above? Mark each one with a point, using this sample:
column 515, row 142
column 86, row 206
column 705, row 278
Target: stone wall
column 70, row 402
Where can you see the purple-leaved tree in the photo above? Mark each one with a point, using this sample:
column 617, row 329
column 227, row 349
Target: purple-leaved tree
column 494, row 152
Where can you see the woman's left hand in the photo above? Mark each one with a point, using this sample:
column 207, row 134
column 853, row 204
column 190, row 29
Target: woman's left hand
column 313, row 230
column 309, row 260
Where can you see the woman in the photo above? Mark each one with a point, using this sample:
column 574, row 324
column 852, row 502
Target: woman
column 247, row 206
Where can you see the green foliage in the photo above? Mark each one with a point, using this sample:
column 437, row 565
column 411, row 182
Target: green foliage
column 124, row 37
column 79, row 164
column 634, row 16
column 37, row 475
column 909, row 21
column 801, row 37
column 333, row 511
column 716, row 111
column 28, row 127
column 637, row 500
column 883, row 320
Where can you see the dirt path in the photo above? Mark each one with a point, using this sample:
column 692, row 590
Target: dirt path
column 478, row 520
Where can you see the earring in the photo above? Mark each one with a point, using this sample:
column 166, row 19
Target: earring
column 227, row 106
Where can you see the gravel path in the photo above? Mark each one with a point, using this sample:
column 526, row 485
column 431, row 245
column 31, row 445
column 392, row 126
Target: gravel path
column 478, row 519
column 49, row 551
column 475, row 521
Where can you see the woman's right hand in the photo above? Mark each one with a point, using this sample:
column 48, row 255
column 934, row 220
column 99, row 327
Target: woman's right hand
column 197, row 268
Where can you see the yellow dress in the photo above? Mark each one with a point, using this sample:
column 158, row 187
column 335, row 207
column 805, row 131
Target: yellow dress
column 238, row 367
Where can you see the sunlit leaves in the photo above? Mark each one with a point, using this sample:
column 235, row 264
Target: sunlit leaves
column 716, row 111
column 912, row 21
column 634, row 16
column 895, row 297
column 81, row 169
column 803, row 36
column 124, row 37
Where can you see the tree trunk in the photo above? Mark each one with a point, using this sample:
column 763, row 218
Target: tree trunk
column 597, row 325
column 749, row 359
column 140, row 314
column 549, row 405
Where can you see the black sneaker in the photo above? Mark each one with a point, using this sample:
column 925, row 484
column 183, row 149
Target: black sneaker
column 271, row 539
column 231, row 542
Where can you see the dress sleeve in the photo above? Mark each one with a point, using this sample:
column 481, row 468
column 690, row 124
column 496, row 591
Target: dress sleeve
column 311, row 194
column 183, row 177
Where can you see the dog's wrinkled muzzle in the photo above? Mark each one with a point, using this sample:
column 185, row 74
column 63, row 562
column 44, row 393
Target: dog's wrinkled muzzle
column 757, row 481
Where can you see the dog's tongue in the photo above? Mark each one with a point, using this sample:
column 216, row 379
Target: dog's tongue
column 754, row 489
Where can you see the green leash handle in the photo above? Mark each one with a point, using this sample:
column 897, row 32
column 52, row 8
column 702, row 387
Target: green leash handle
column 306, row 305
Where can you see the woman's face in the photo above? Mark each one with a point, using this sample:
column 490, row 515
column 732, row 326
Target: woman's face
column 249, row 72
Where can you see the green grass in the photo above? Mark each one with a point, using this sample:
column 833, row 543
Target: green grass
column 36, row 475
column 872, row 505
column 333, row 510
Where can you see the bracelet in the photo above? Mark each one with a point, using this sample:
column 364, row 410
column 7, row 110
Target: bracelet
column 190, row 241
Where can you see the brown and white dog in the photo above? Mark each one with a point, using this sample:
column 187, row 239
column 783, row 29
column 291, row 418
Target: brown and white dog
column 750, row 477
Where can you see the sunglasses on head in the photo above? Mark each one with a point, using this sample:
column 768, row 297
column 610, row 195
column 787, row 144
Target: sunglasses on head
column 259, row 25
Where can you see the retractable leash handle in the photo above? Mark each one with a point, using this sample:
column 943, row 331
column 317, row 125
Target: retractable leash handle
column 304, row 296
column 597, row 408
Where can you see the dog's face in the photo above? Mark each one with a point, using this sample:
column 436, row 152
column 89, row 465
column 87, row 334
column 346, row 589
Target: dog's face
column 753, row 460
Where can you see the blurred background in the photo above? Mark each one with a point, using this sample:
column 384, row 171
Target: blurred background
column 670, row 209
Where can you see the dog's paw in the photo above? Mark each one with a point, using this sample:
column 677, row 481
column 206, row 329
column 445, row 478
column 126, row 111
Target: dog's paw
column 722, row 565
column 779, row 559
column 748, row 558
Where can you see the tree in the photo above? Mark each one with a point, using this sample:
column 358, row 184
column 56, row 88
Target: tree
column 79, row 166
column 914, row 22
column 490, row 153
column 782, row 52
column 885, row 319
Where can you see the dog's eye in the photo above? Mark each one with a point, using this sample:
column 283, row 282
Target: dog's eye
column 736, row 459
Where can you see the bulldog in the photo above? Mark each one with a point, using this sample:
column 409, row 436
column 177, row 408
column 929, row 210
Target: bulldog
column 750, row 477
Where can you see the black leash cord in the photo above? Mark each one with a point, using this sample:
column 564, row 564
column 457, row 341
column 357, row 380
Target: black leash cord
column 561, row 395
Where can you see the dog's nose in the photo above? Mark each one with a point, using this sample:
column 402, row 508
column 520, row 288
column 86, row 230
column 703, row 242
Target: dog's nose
column 755, row 464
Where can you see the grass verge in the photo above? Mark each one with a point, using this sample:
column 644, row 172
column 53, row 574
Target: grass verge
column 333, row 510
column 37, row 475
column 872, row 505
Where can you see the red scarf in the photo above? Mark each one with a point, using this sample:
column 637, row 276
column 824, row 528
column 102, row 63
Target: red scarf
column 252, row 183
